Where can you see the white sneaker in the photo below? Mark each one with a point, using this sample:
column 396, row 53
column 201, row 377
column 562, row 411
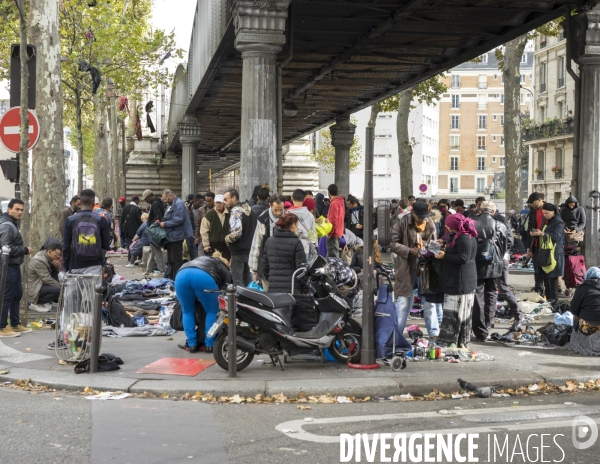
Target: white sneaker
column 129, row 265
column 41, row 308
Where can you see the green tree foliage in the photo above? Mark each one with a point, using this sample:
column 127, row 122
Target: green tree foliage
column 429, row 92
column 325, row 155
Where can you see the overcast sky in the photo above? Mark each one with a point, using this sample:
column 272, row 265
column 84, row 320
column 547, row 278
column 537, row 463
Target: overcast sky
column 177, row 15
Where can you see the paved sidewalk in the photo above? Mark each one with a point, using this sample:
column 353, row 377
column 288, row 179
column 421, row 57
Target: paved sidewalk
column 513, row 367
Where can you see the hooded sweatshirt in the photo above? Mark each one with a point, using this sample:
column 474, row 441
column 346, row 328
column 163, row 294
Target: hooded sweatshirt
column 574, row 218
column 322, row 208
column 586, row 301
column 307, row 231
column 337, row 215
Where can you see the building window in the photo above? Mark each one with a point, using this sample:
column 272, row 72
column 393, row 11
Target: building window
column 482, row 121
column 455, row 101
column 481, row 101
column 501, row 119
column 502, row 141
column 454, row 119
column 502, row 99
column 560, row 109
column 502, row 164
column 480, row 185
column 454, row 163
column 522, row 98
column 484, row 58
column 523, row 60
column 454, row 185
column 483, row 81
column 481, row 163
column 454, row 142
column 559, row 167
column 455, row 81
column 543, row 77
column 493, row 138
column 481, row 142
column 541, row 164
column 523, row 78
column 543, row 41
column 494, row 117
column 561, row 71
column 542, row 113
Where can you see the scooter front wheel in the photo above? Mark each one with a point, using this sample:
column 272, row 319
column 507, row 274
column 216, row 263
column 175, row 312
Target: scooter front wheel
column 346, row 347
column 221, row 353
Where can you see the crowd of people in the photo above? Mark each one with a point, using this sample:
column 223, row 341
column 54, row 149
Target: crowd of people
column 464, row 250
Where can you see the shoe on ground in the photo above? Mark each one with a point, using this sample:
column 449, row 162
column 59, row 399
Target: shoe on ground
column 6, row 332
column 129, row 265
column 386, row 361
column 21, row 329
column 205, row 349
column 41, row 308
column 52, row 345
column 516, row 326
column 137, row 262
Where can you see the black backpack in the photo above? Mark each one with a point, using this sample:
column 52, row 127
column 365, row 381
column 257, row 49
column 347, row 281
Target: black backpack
column 487, row 249
column 86, row 243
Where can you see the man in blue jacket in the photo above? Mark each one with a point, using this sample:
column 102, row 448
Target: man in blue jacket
column 177, row 223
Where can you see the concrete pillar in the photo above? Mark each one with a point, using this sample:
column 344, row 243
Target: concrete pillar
column 259, row 29
column 189, row 136
column 342, row 138
column 589, row 132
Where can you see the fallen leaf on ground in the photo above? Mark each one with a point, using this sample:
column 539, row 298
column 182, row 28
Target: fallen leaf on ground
column 259, row 397
column 302, row 394
column 326, row 399
column 301, row 400
column 62, row 362
column 302, row 407
column 57, row 399
column 237, row 399
column 164, row 395
column 3, row 372
column 280, row 398
column 27, row 349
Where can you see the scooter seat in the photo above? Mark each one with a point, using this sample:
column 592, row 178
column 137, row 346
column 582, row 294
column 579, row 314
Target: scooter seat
column 270, row 300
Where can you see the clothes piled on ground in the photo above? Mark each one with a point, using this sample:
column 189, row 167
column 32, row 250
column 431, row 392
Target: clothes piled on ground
column 139, row 307
column 527, row 337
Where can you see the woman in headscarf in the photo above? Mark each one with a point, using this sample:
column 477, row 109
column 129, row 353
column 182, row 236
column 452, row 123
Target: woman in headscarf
column 553, row 228
column 585, row 306
column 458, row 281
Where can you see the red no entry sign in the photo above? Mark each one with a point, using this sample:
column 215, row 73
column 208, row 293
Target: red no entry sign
column 10, row 130
column 423, row 188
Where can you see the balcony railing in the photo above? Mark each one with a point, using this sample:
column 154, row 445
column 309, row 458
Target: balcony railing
column 481, row 147
column 456, row 85
column 543, row 87
column 455, row 106
column 539, row 176
column 558, row 174
column 481, row 106
column 482, row 85
column 454, row 147
column 561, row 82
column 554, row 128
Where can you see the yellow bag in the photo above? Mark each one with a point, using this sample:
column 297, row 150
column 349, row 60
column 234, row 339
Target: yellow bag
column 546, row 243
column 324, row 227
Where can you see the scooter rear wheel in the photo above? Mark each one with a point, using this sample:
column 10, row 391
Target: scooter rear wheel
column 220, row 352
column 343, row 343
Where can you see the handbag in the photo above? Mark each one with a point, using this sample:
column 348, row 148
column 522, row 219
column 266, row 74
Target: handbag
column 548, row 246
column 429, row 277
column 158, row 236
column 575, row 236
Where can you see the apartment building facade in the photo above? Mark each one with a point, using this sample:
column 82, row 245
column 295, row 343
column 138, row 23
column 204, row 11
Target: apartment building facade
column 471, row 154
column 549, row 135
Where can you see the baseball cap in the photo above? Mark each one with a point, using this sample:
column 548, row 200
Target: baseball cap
column 135, row 198
column 534, row 197
column 146, row 194
column 219, row 198
column 190, row 197
column 420, row 209
column 489, row 205
column 122, row 199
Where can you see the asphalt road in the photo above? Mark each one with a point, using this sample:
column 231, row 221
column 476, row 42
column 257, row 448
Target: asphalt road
column 40, row 428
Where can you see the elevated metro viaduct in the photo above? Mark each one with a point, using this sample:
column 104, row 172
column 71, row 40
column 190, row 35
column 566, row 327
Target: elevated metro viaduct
column 331, row 58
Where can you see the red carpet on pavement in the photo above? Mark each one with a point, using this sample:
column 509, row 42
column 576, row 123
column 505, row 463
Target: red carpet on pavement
column 177, row 366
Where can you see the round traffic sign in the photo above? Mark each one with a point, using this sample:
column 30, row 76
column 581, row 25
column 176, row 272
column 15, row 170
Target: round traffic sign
column 423, row 188
column 10, row 129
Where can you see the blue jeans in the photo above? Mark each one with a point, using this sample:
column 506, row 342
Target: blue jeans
column 437, row 306
column 13, row 292
column 403, row 308
column 192, row 248
column 190, row 284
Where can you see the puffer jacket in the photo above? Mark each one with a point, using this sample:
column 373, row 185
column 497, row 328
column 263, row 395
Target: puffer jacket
column 459, row 273
column 283, row 255
column 490, row 229
column 575, row 218
column 214, row 266
column 11, row 236
column 555, row 230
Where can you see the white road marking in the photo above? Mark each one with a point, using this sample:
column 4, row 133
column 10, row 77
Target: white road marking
column 294, row 429
column 15, row 130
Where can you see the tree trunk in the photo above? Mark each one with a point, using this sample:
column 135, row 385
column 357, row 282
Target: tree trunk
column 48, row 173
column 102, row 165
column 405, row 149
column 114, row 151
column 375, row 110
column 78, row 129
column 23, row 155
column 511, row 72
